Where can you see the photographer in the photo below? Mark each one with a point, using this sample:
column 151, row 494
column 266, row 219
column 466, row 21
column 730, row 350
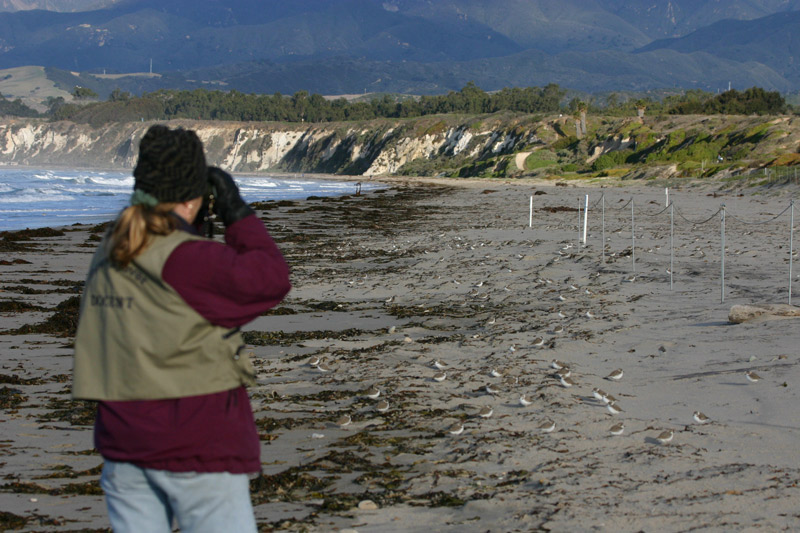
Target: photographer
column 158, row 345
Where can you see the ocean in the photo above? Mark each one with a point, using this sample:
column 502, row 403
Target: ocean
column 31, row 198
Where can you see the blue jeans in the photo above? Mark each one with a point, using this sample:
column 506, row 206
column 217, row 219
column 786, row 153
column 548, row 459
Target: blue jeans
column 141, row 499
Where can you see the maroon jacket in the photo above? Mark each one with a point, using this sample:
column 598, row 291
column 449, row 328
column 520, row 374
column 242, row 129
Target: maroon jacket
column 229, row 285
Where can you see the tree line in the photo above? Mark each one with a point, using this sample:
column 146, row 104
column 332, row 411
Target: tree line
column 204, row 104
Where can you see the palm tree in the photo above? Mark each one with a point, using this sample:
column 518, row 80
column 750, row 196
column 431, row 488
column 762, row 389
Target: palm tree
column 641, row 105
column 582, row 107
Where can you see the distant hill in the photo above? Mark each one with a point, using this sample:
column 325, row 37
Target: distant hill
column 406, row 46
column 54, row 5
column 773, row 41
column 660, row 19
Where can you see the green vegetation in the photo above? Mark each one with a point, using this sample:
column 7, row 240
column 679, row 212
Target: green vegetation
column 201, row 104
column 15, row 108
column 541, row 159
column 83, row 93
column 752, row 101
column 611, row 160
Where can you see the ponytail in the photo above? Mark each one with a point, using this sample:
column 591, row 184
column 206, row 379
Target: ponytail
column 132, row 230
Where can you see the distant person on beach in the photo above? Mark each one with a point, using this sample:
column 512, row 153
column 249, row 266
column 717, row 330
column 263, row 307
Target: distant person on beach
column 158, row 345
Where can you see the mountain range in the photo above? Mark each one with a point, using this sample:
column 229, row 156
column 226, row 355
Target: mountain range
column 406, row 46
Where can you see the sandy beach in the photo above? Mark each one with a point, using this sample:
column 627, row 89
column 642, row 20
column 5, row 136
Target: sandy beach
column 390, row 282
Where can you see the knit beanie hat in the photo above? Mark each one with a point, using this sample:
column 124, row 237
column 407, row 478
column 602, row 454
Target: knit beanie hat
column 171, row 165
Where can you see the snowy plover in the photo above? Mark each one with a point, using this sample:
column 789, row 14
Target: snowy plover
column 566, row 382
column 665, row 436
column 752, row 376
column 456, row 429
column 598, row 394
column 439, row 364
column 492, row 389
column 485, row 412
column 617, row 429
column 547, row 426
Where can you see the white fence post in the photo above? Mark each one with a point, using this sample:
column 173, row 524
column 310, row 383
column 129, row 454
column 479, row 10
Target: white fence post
column 585, row 218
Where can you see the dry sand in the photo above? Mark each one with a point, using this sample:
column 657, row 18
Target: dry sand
column 386, row 283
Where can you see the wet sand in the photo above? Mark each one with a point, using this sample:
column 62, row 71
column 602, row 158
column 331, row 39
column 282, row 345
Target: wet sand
column 385, row 284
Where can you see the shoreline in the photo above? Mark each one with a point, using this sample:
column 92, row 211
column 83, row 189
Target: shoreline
column 387, row 282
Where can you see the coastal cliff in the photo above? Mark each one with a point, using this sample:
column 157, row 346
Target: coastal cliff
column 375, row 148
column 497, row 145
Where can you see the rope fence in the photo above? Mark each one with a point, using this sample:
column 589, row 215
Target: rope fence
column 722, row 214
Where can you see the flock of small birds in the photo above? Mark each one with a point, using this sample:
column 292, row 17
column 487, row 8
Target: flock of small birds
column 563, row 372
column 546, row 426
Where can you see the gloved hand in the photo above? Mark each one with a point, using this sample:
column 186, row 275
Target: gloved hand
column 228, row 203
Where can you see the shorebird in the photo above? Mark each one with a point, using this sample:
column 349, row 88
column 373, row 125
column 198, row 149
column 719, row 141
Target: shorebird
column 525, row 400
column 598, row 394
column 440, row 376
column 492, row 389
column 613, row 408
column 486, row 412
column 547, row 426
column 566, row 382
column 456, row 429
column 700, row 418
column 616, row 375
column 343, row 421
column 665, row 436
column 752, row 376
column 382, row 406
column 372, row 393
column 617, row 429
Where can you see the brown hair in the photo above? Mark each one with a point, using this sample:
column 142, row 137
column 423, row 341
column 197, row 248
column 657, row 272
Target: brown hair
column 134, row 227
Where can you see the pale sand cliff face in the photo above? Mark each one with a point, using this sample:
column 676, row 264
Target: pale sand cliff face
column 386, row 283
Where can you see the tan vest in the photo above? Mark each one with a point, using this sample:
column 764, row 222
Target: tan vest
column 138, row 339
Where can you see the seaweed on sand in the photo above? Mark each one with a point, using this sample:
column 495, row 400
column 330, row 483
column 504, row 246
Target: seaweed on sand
column 62, row 323
column 268, row 338
column 290, row 485
column 11, row 398
column 89, row 488
column 28, row 234
column 67, row 472
column 18, row 306
column 76, row 412
column 11, row 521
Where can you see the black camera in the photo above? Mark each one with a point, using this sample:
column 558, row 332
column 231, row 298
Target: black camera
column 206, row 213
